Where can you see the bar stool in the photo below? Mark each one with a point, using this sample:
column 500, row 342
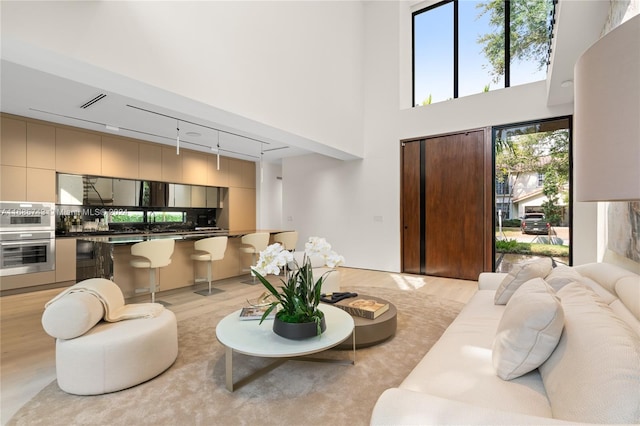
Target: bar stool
column 152, row 254
column 254, row 244
column 288, row 239
column 208, row 250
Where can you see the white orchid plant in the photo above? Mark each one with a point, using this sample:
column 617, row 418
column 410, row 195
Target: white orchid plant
column 300, row 294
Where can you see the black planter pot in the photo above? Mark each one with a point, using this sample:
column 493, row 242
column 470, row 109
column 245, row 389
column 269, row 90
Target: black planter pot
column 297, row 331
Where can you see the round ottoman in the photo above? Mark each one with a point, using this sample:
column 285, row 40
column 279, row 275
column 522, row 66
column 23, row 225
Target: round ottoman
column 116, row 355
column 370, row 332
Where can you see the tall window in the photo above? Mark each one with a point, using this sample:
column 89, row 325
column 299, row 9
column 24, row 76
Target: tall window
column 461, row 48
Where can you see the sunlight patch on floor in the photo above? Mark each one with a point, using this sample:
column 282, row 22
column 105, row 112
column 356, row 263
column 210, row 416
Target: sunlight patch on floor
column 406, row 282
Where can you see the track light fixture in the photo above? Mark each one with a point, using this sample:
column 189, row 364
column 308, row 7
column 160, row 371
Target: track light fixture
column 261, row 158
column 218, row 159
column 177, row 137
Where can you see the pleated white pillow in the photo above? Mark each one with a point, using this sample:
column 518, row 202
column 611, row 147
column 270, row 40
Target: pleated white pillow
column 529, row 330
column 520, row 274
column 562, row 275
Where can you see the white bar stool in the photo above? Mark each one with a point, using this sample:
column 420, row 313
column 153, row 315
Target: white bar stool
column 152, row 254
column 254, row 244
column 288, row 239
column 208, row 250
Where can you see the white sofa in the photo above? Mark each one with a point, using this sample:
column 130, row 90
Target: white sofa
column 104, row 345
column 591, row 376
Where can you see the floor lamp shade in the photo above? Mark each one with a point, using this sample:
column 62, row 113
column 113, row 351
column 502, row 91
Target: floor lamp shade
column 607, row 117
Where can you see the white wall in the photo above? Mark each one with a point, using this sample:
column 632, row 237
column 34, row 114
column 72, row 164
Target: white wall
column 293, row 65
column 356, row 205
column 269, row 201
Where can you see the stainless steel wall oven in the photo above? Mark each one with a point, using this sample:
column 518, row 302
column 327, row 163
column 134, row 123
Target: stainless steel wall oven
column 27, row 237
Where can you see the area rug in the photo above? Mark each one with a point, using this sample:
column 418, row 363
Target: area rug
column 192, row 391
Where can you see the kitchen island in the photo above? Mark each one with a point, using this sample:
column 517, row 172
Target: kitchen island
column 109, row 257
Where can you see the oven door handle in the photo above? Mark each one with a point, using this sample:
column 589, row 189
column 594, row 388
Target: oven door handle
column 24, row 242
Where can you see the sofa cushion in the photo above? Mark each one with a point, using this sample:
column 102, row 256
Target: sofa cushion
column 562, row 275
column 528, row 331
column 520, row 274
column 459, row 365
column 72, row 315
column 593, row 375
column 628, row 290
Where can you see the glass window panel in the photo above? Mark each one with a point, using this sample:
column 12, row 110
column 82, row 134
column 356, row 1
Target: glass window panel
column 161, row 216
column 529, row 40
column 475, row 34
column 527, row 156
column 433, row 55
column 127, row 217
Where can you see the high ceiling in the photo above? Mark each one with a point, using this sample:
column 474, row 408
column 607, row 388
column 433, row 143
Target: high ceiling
column 37, row 94
column 43, row 85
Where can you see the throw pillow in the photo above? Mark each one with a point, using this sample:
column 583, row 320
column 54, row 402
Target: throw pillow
column 562, row 275
column 520, row 274
column 529, row 330
column 72, row 315
column 593, row 375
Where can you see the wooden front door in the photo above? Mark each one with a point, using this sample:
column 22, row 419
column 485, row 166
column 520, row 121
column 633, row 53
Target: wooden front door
column 446, row 205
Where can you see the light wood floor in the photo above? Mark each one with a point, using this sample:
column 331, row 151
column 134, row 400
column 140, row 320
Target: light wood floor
column 28, row 353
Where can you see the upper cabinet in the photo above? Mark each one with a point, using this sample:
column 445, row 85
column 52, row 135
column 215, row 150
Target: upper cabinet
column 242, row 174
column 13, row 142
column 78, row 152
column 194, row 167
column 27, row 167
column 120, row 157
column 41, row 146
column 150, row 161
column 171, row 165
column 32, row 151
column 217, row 171
column 104, row 191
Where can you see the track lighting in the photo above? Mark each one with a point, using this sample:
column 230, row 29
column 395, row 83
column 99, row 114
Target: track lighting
column 178, row 137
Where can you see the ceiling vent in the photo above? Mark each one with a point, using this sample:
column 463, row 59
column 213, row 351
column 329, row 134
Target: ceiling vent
column 93, row 101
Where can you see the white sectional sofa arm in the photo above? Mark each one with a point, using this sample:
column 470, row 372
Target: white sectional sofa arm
column 490, row 280
column 405, row 407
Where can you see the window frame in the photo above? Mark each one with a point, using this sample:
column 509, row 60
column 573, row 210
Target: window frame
column 507, row 44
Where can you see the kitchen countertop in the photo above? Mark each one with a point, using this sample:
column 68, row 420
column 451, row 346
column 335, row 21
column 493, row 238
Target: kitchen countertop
column 132, row 238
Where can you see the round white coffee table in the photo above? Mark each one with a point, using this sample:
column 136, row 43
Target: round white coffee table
column 251, row 338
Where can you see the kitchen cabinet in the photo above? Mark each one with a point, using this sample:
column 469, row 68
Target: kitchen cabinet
column 150, row 162
column 41, row 185
column 13, row 186
column 242, row 204
column 171, row 165
column 65, row 259
column 180, row 195
column 120, row 157
column 70, row 189
column 198, row 196
column 213, row 197
column 13, row 142
column 15, row 282
column 41, row 146
column 217, row 177
column 242, row 174
column 125, row 192
column 78, row 152
column 194, row 167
